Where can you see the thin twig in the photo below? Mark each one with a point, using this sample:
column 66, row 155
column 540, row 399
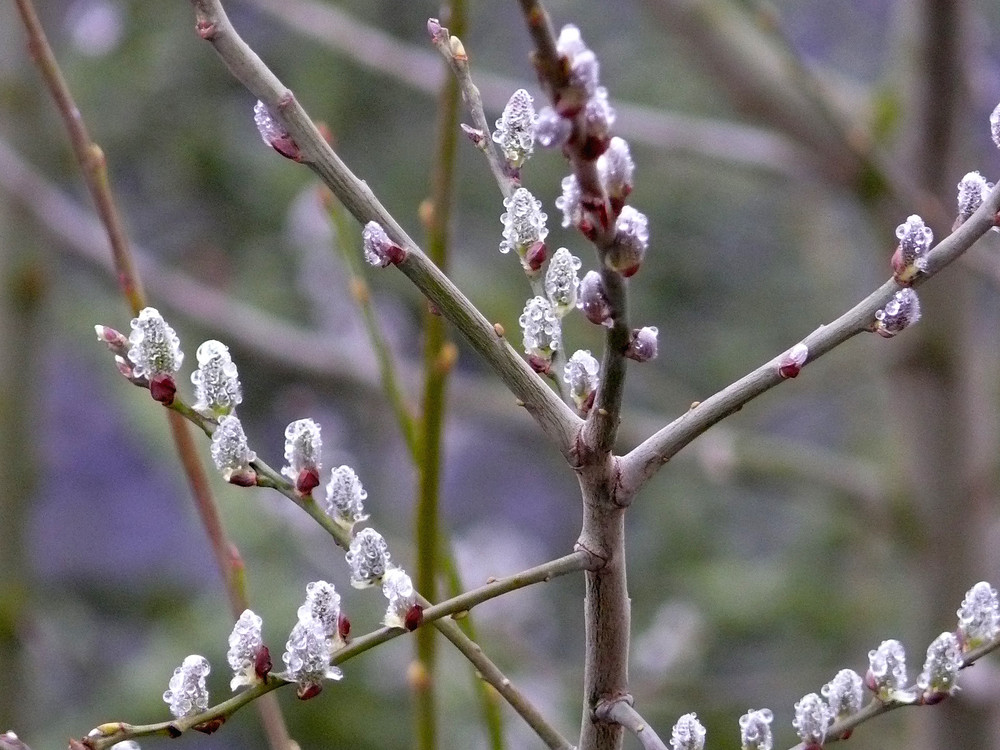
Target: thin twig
column 622, row 712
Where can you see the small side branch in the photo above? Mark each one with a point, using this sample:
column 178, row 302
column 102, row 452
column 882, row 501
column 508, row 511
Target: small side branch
column 622, row 712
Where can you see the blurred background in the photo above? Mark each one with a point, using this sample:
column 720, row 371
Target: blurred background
column 777, row 149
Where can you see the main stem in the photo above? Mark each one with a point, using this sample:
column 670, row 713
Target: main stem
column 607, row 607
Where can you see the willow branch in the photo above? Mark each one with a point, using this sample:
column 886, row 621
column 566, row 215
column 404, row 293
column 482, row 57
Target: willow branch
column 622, row 712
column 94, row 168
column 553, row 416
column 647, row 458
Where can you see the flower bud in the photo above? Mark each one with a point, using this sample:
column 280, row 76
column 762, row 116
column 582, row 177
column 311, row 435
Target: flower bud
column 368, row 558
column 581, row 374
column 273, row 133
column 187, row 694
column 631, row 241
column 307, row 658
column 791, row 362
column 552, row 130
column 617, row 169
column 570, row 202
column 812, row 719
column 939, row 677
column 154, row 348
column 323, row 605
column 303, row 454
column 592, row 301
column 901, row 311
column 216, row 381
column 643, row 346
column 515, row 130
column 379, row 249
column 540, row 329
column 231, row 453
column 915, row 239
column 598, row 117
column 345, row 497
column 561, row 281
column 398, row 589
column 844, row 693
column 979, row 616
column 972, row 191
column 584, row 70
column 887, row 671
column 523, row 224
column 245, row 644
column 755, row 730
column 688, row 734
column 115, row 340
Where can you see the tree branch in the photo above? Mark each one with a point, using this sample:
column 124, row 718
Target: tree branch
column 622, row 712
column 647, row 458
column 553, row 416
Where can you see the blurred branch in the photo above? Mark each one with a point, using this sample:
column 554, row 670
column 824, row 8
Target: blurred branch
column 645, row 460
column 416, row 67
column 95, row 174
column 765, row 77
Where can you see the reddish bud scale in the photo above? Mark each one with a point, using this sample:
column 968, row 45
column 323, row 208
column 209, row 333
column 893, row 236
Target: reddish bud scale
column 473, row 134
column 163, row 388
column 262, row 662
column 287, row 147
column 344, row 627
column 307, row 481
column 587, row 405
column 211, row 726
column 395, row 254
column 789, row 370
column 631, row 270
column 414, row 616
column 535, row 256
column 244, row 478
column 173, row 731
column 539, row 365
column 932, row 699
column 206, row 30
column 309, row 690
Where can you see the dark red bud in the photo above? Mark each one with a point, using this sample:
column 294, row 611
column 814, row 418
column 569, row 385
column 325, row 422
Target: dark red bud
column 262, row 662
column 539, row 365
column 244, row 478
column 588, row 404
column 307, row 481
column 631, row 270
column 205, row 29
column 287, row 147
column 535, row 256
column 309, row 690
column 846, row 734
column 931, row 699
column 395, row 254
column 414, row 616
column 211, row 726
column 344, row 627
column 163, row 388
column 790, row 370
column 173, row 731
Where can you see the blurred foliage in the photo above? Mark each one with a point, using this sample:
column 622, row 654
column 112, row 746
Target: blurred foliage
column 751, row 583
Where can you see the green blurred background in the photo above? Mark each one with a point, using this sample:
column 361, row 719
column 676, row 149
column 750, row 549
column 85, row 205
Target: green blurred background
column 855, row 503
